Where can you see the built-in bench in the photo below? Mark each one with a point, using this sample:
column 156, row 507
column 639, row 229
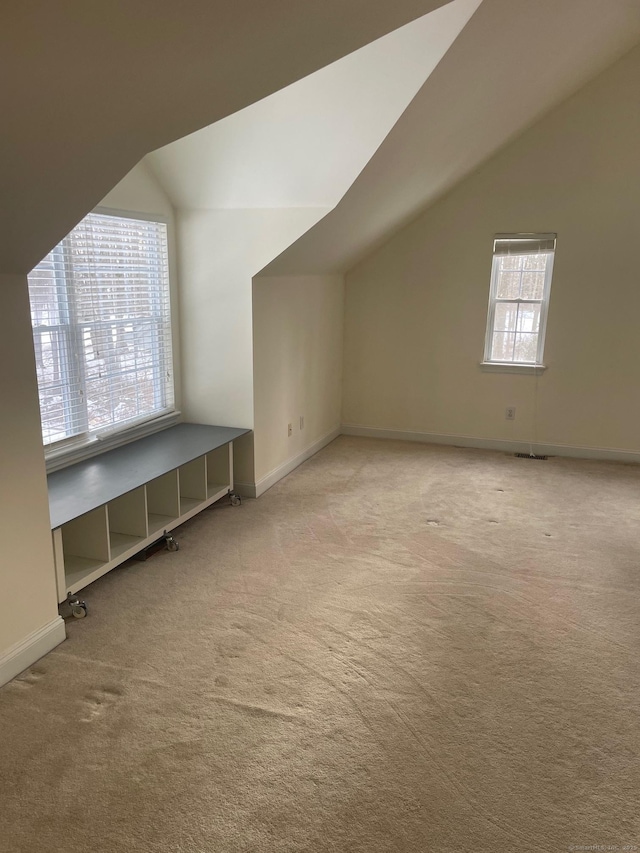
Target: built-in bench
column 109, row 508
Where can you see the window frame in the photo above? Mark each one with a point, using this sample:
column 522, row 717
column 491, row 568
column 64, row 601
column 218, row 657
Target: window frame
column 75, row 448
column 494, row 300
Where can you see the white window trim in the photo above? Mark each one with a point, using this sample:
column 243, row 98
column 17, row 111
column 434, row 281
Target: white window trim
column 517, row 366
column 512, row 367
column 61, row 454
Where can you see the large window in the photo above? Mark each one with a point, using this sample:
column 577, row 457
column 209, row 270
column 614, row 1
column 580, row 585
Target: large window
column 520, row 284
column 102, row 329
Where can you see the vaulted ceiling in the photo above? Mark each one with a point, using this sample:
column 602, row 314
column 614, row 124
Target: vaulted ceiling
column 91, row 86
column 304, row 145
column 512, row 63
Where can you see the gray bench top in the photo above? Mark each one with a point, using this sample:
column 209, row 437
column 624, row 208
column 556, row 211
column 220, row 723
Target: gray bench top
column 87, row 485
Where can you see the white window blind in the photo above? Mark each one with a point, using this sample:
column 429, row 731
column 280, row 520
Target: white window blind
column 102, row 328
column 519, row 298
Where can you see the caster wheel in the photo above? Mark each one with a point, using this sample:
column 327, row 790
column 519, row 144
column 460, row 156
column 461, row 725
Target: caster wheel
column 172, row 545
column 79, row 610
column 236, row 500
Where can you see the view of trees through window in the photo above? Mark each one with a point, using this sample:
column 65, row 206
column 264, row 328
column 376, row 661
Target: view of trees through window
column 519, row 291
column 516, row 324
column 101, row 327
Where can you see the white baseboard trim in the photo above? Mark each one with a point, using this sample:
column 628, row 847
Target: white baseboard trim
column 246, row 490
column 506, row 445
column 287, row 467
column 25, row 653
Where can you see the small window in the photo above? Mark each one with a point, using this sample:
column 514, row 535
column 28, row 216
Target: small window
column 520, row 284
column 102, row 329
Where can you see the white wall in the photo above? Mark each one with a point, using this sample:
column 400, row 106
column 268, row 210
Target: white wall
column 28, row 601
column 220, row 251
column 416, row 309
column 297, row 339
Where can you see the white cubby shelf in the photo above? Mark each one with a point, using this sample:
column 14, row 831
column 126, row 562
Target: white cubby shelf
column 109, row 508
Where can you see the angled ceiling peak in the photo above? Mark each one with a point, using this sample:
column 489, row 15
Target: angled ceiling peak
column 305, row 145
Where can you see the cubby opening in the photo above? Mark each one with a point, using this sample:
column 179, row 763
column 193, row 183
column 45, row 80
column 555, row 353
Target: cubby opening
column 219, row 471
column 193, row 484
column 85, row 544
column 163, row 504
column 127, row 521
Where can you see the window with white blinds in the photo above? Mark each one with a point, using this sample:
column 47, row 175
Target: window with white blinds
column 519, row 298
column 102, row 328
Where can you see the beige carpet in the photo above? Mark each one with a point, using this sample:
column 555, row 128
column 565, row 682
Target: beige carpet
column 399, row 648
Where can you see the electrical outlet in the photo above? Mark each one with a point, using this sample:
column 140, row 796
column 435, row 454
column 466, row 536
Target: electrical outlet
column 289, row 430
column 510, row 413
column 301, row 421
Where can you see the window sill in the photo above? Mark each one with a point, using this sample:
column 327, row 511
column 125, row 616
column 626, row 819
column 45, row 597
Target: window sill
column 511, row 367
column 99, row 444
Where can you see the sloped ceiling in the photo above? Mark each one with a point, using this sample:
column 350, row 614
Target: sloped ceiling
column 304, row 145
column 513, row 61
column 91, row 86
